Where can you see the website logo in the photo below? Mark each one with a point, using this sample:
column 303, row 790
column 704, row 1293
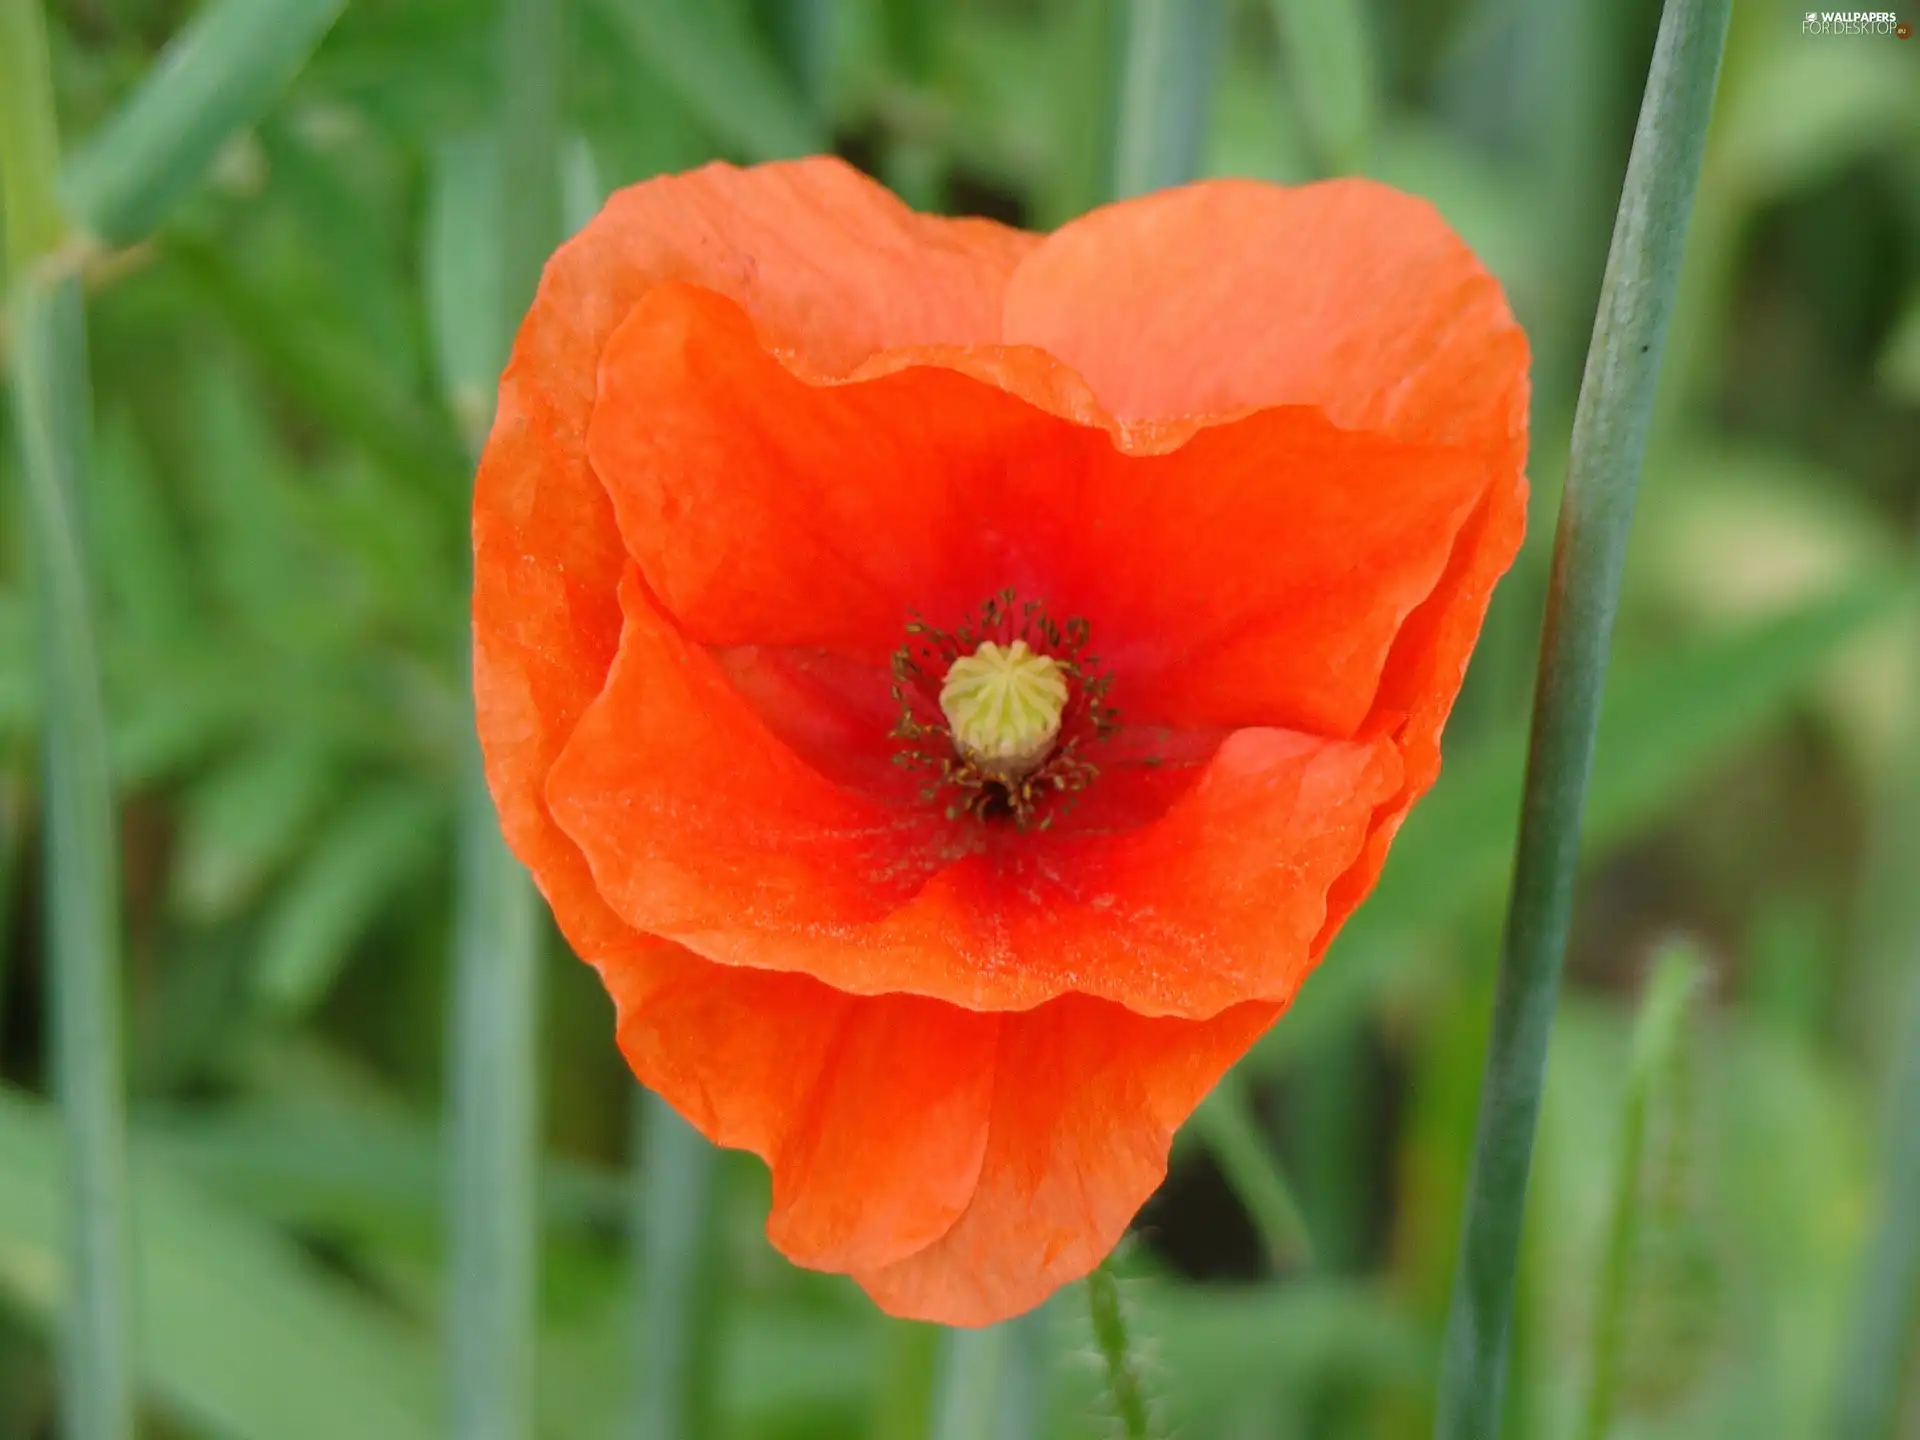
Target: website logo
column 1854, row 22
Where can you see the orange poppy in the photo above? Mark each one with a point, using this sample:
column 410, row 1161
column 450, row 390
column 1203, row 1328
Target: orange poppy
column 953, row 683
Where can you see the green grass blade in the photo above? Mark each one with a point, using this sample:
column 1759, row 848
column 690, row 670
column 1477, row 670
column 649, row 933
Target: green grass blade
column 218, row 76
column 717, row 68
column 369, row 1171
column 333, row 381
column 29, row 138
column 1660, row 1034
column 1330, row 69
column 966, row 1397
column 1170, row 51
column 1874, row 1374
column 30, row 213
column 463, row 200
column 52, row 404
column 1227, row 1123
column 1609, row 443
column 991, row 1383
column 496, row 1017
column 533, row 43
column 381, row 843
column 82, row 886
column 674, row 1214
column 495, row 1136
column 13, row 831
column 247, row 1338
column 804, row 37
column 909, row 1373
column 1026, row 1377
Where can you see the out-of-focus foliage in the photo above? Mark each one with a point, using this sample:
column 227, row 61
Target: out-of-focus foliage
column 287, row 391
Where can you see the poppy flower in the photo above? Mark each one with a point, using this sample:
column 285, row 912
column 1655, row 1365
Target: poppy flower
column 953, row 683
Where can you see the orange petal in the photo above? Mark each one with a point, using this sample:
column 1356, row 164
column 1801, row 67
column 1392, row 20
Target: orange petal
column 1086, row 1099
column 871, row 1114
column 976, row 1162
column 1216, row 297
column 1346, row 295
column 696, row 818
column 819, row 256
column 1258, row 574
column 944, row 1214
column 1424, row 671
column 766, row 511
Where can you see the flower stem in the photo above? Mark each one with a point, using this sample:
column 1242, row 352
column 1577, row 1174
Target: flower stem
column 1110, row 1337
column 1609, row 443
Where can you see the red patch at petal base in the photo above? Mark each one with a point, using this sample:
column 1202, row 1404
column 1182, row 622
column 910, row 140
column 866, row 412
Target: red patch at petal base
column 701, row 827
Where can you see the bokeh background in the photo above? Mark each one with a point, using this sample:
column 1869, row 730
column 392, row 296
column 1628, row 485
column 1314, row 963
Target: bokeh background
column 286, row 404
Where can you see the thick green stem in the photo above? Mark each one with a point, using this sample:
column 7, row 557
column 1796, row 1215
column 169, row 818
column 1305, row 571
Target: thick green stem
column 495, row 1134
column 1885, row 1332
column 496, row 1018
column 991, row 1383
column 674, row 1217
column 29, row 137
column 1024, row 1378
column 1609, row 443
column 51, row 410
column 1169, row 52
column 966, row 1400
column 82, row 882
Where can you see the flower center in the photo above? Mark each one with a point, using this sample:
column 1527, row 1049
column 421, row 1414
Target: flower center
column 1003, row 705
column 1000, row 711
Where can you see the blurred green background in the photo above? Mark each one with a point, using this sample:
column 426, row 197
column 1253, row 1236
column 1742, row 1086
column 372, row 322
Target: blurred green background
column 286, row 401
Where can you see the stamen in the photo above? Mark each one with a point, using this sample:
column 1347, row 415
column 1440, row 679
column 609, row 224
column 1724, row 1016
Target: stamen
column 1003, row 705
column 998, row 711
